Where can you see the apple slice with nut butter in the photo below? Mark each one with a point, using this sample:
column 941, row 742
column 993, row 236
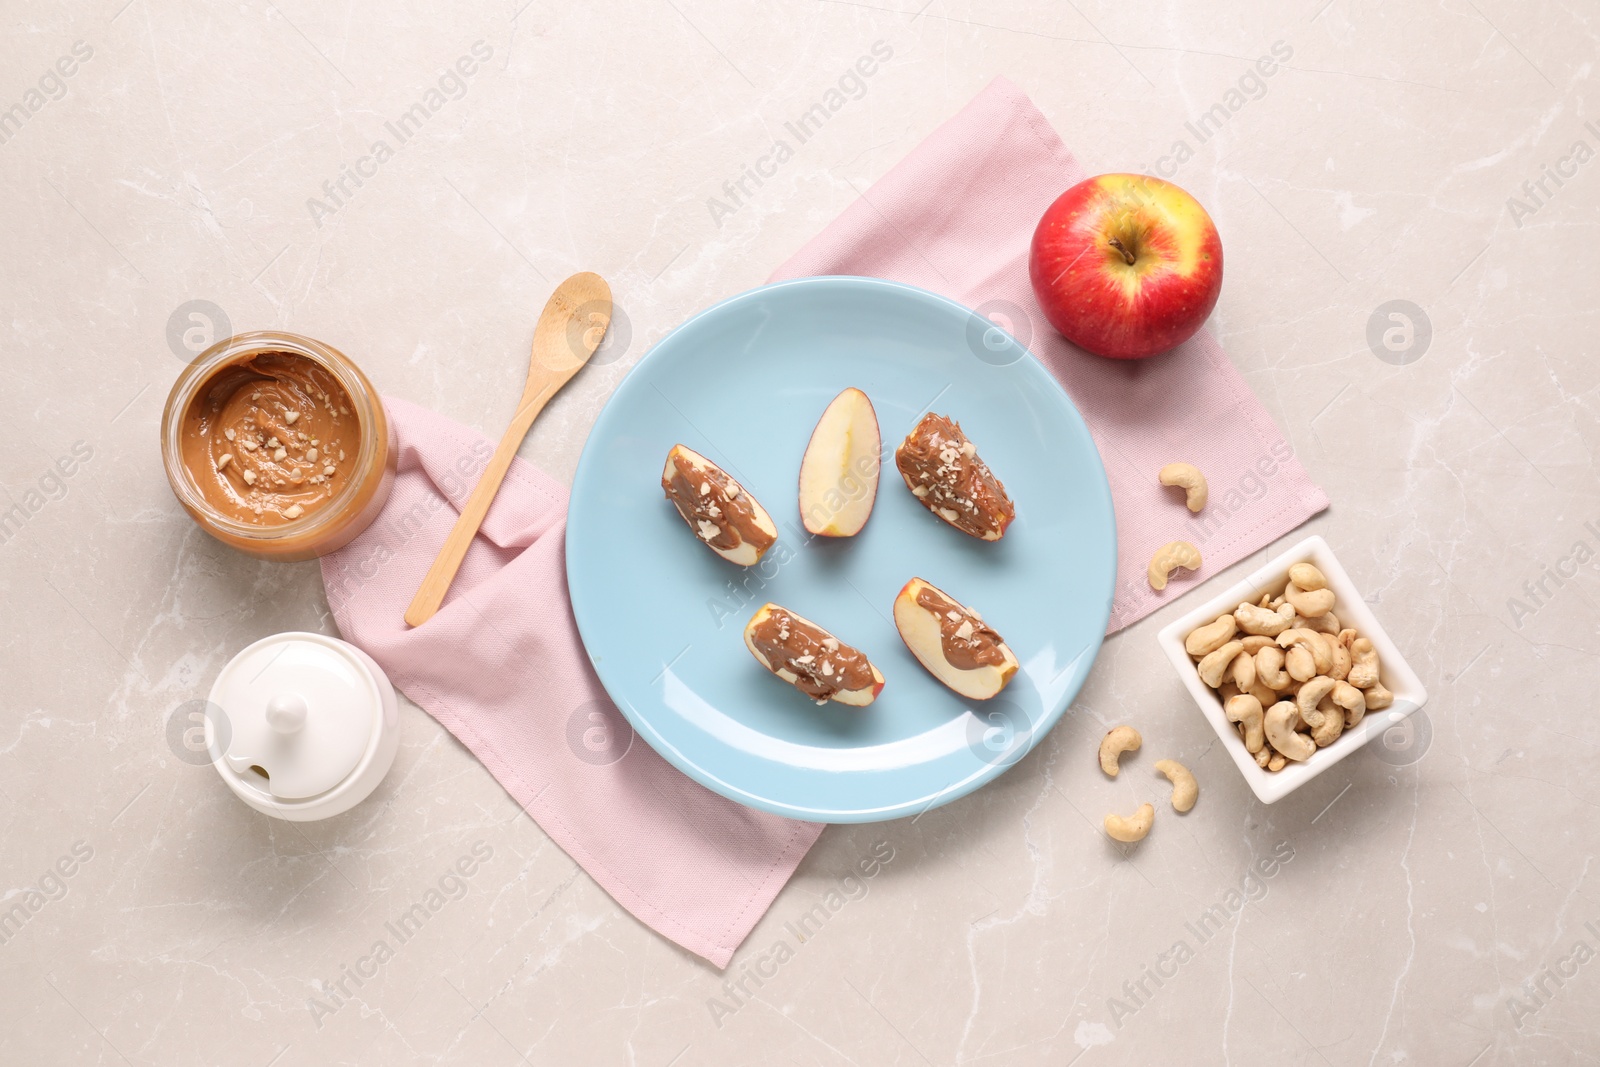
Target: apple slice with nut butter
column 952, row 641
column 811, row 659
column 944, row 472
column 730, row 521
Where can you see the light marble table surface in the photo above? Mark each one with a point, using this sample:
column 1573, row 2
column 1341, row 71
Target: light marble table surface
column 1435, row 904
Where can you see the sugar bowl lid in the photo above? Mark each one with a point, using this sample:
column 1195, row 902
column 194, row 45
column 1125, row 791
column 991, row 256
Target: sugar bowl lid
column 301, row 710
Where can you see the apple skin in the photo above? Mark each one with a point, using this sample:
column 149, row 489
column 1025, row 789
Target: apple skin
column 1099, row 300
column 845, row 442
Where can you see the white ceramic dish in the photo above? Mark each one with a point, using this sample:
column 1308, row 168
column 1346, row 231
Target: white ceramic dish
column 1396, row 674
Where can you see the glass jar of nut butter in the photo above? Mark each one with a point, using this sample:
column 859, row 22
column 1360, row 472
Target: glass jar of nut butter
column 277, row 445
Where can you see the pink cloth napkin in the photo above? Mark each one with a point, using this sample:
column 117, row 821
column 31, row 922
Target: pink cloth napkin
column 501, row 667
column 957, row 216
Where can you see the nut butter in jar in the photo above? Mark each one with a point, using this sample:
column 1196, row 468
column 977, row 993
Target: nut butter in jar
column 277, row 445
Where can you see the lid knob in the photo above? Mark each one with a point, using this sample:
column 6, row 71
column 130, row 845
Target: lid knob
column 286, row 712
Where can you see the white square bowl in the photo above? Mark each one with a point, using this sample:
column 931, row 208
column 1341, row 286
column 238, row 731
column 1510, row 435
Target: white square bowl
column 1396, row 674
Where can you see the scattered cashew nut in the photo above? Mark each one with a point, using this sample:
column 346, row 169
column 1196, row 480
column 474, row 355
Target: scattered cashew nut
column 1377, row 697
column 1118, row 740
column 1210, row 637
column 1279, row 726
column 1184, row 788
column 1168, row 558
column 1131, row 828
column 1193, row 482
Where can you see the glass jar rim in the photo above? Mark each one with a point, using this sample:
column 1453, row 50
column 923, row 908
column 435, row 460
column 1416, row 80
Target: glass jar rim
column 364, row 403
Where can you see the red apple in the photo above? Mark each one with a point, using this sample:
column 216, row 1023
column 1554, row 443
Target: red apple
column 1126, row 265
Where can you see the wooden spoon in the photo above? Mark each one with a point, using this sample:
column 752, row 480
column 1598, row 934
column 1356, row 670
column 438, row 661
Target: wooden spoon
column 562, row 343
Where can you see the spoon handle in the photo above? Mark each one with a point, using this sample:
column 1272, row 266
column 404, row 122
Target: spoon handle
column 437, row 582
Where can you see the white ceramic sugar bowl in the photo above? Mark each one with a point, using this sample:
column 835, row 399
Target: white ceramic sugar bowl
column 303, row 726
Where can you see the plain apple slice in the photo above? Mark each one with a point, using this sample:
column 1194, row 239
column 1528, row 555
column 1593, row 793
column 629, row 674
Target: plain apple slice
column 952, row 641
column 724, row 515
column 839, row 473
column 811, row 659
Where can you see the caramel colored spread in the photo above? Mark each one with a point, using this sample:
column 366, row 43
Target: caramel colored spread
column 821, row 664
column 942, row 469
column 270, row 438
column 719, row 511
column 967, row 641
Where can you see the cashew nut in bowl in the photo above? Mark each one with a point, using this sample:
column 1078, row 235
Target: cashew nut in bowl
column 1332, row 723
column 1291, row 676
column 1279, row 727
column 1340, row 669
column 1299, row 663
column 1321, row 651
column 1131, row 828
column 1309, row 602
column 1324, row 624
column 1185, row 789
column 1363, row 663
column 1193, row 482
column 1307, row 577
column 1168, row 558
column 1210, row 637
column 1243, row 670
column 1245, row 710
column 1213, row 667
column 1269, row 668
column 1118, row 740
column 1352, row 700
column 1258, row 620
column 1310, row 696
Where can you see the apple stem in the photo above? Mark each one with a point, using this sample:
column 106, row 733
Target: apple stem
column 1127, row 256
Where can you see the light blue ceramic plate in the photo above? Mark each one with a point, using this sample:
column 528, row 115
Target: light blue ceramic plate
column 743, row 383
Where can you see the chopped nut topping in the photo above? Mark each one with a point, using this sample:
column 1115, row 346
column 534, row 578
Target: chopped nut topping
column 227, row 458
column 811, row 659
column 293, row 511
column 943, row 470
column 290, row 417
column 280, row 453
column 249, row 477
column 311, row 455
